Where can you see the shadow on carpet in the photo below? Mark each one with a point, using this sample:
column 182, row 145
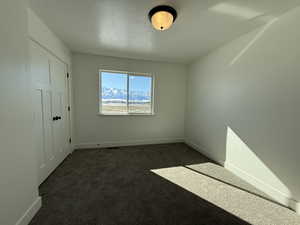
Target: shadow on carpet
column 117, row 187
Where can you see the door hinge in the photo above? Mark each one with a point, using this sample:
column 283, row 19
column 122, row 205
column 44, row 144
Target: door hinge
column 69, row 108
column 68, row 75
column 70, row 140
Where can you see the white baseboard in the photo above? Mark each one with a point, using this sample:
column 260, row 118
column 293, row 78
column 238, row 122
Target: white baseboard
column 297, row 208
column 30, row 212
column 272, row 192
column 128, row 143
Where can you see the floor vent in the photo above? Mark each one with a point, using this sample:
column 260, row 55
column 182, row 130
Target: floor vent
column 113, row 148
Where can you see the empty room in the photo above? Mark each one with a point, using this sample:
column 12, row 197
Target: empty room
column 149, row 112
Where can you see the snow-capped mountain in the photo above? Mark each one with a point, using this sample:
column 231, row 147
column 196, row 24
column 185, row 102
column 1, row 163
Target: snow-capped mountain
column 114, row 93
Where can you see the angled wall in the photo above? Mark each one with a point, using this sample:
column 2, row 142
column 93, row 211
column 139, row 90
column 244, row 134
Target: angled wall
column 243, row 107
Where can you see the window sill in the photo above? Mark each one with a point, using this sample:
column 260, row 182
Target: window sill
column 126, row 114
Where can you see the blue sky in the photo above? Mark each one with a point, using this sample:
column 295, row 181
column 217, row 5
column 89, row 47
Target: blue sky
column 119, row 81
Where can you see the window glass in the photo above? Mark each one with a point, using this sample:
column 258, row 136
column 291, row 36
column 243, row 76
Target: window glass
column 123, row 93
column 114, row 93
column 140, row 88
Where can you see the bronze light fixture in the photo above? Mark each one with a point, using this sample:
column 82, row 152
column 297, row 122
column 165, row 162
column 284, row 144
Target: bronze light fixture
column 162, row 17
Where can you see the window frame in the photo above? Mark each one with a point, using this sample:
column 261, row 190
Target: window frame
column 128, row 75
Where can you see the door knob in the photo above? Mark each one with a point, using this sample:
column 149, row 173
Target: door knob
column 59, row 118
column 55, row 118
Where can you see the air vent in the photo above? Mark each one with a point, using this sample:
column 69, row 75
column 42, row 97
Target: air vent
column 113, row 148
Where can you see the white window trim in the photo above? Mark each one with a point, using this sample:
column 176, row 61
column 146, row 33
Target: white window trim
column 128, row 74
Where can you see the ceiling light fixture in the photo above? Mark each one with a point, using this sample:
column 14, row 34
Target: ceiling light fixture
column 162, row 17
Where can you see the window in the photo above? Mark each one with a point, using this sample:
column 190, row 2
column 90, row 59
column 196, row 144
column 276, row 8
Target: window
column 125, row 93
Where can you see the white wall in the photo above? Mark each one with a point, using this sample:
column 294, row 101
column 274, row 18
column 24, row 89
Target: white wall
column 18, row 175
column 244, row 107
column 167, row 125
column 39, row 32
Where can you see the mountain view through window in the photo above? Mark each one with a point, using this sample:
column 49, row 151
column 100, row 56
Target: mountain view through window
column 123, row 93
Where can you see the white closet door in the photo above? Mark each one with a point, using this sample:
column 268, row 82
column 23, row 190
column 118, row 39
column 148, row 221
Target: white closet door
column 42, row 94
column 50, row 101
column 58, row 72
column 39, row 134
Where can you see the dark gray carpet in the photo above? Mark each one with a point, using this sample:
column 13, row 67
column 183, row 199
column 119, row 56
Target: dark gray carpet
column 116, row 187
